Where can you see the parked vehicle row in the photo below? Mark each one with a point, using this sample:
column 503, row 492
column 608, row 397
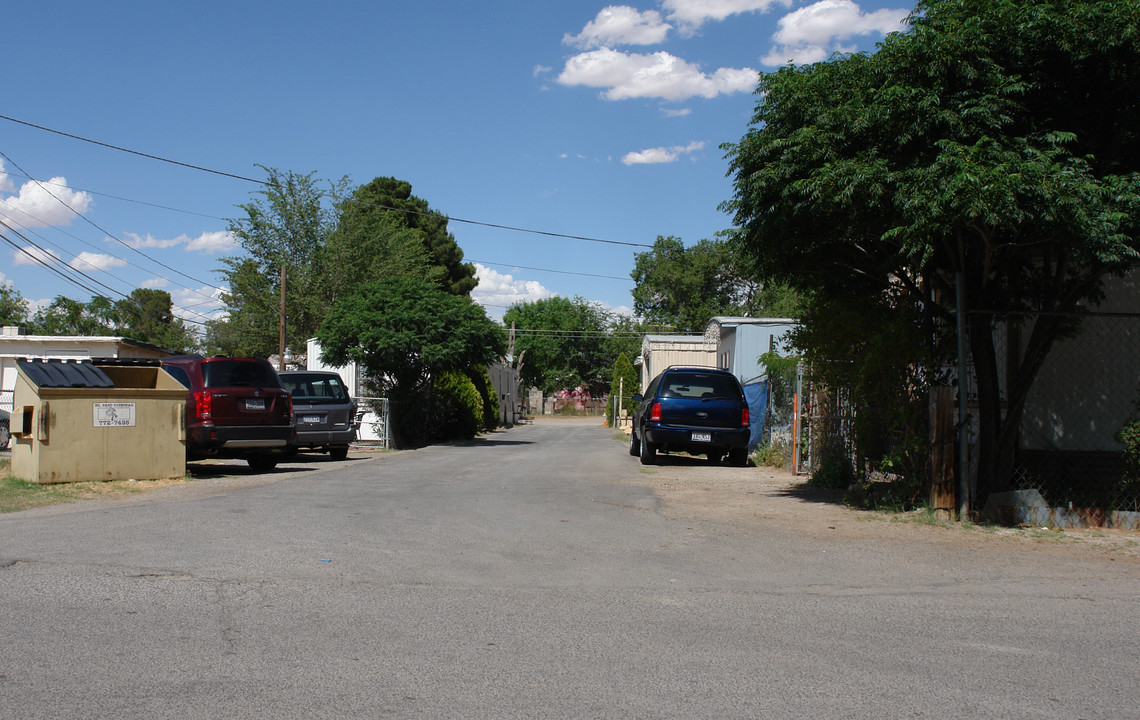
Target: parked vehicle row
column 243, row 408
column 699, row 411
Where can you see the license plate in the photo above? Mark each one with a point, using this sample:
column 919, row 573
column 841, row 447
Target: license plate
column 255, row 404
column 702, row 437
column 313, row 419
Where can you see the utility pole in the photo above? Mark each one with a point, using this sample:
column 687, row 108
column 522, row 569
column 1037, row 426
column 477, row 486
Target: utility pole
column 281, row 334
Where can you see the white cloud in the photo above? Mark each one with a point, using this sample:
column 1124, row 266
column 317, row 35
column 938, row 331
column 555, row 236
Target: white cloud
column 86, row 261
column 217, row 241
column 194, row 304
column 621, row 25
column 691, row 14
column 500, row 290
column 34, row 256
column 659, row 155
column 154, row 283
column 676, row 112
column 45, row 204
column 659, row 75
column 813, row 33
column 6, row 184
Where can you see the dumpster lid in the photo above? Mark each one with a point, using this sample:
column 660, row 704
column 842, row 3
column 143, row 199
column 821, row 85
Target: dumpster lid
column 63, row 374
column 126, row 362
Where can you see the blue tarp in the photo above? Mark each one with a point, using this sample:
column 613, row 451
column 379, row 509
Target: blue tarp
column 756, row 394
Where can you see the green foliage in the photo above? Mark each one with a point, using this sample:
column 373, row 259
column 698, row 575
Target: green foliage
column 456, row 407
column 994, row 139
column 773, row 454
column 13, row 306
column 393, row 199
column 404, row 332
column 625, row 385
column 684, row 287
column 144, row 315
column 835, row 469
column 482, row 381
column 371, row 243
column 1129, row 436
column 286, row 226
column 878, row 354
column 567, row 347
column 148, row 315
column 65, row 316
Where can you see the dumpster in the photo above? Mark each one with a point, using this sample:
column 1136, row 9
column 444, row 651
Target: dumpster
column 103, row 419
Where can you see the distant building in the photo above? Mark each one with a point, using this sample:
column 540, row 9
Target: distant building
column 740, row 341
column 14, row 344
column 661, row 351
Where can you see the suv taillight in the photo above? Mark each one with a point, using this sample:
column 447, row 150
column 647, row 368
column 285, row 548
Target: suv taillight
column 203, row 404
column 744, row 417
column 655, row 412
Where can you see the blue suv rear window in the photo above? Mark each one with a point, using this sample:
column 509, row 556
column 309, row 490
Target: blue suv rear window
column 700, row 386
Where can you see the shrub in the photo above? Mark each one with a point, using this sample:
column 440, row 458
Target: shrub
column 457, row 407
column 482, row 382
column 772, row 454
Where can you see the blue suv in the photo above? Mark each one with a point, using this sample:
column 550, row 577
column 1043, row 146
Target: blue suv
column 699, row 411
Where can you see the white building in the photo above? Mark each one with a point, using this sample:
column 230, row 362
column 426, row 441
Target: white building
column 14, row 344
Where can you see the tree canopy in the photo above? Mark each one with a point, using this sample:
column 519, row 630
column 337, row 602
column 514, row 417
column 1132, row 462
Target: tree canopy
column 404, row 332
column 994, row 140
column 328, row 240
column 682, row 288
column 563, row 344
column 287, row 226
column 393, row 199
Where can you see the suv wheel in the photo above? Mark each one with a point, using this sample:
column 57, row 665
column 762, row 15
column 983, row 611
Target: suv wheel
column 634, row 445
column 648, row 452
column 738, row 457
column 338, row 453
column 3, row 434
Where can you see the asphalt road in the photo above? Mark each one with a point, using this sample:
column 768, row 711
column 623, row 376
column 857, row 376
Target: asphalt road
column 535, row 574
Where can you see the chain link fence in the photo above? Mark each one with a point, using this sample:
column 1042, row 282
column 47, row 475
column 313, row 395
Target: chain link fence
column 1082, row 400
column 1070, row 446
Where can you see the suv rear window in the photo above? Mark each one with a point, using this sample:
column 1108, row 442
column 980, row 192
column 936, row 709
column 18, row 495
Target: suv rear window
column 694, row 385
column 316, row 388
column 236, row 373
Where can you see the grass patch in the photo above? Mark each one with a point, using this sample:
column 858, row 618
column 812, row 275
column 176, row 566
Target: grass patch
column 17, row 494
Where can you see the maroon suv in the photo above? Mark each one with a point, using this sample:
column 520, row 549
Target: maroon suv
column 236, row 408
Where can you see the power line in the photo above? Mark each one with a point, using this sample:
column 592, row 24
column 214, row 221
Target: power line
column 234, row 176
column 106, row 232
column 560, row 272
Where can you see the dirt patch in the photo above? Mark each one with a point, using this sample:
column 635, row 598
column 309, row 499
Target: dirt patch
column 749, row 498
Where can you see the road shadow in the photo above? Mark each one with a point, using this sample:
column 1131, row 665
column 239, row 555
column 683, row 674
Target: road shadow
column 810, row 493
column 225, row 468
column 488, row 441
column 679, row 460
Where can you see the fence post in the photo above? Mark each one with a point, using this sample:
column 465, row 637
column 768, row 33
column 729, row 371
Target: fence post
column 942, row 448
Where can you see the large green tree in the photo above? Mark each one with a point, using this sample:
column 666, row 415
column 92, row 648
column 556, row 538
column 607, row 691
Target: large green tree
column 681, row 287
column 994, row 141
column 65, row 316
column 371, row 243
column 13, row 306
column 387, row 196
column 148, row 315
column 286, row 226
column 563, row 344
column 405, row 333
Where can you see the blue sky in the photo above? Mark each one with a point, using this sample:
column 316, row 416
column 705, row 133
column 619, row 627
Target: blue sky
column 574, row 118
